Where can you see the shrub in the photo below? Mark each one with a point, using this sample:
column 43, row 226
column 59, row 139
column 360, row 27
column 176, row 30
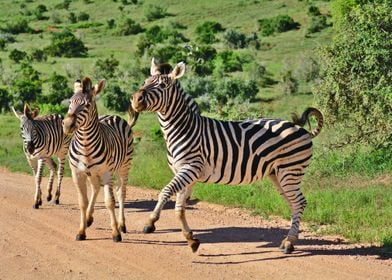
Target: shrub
column 205, row 32
column 65, row 44
column 111, row 23
column 277, row 24
column 317, row 24
column 106, row 68
column 128, row 26
column 53, row 108
column 24, row 90
column 5, row 99
column 288, row 84
column 63, row 5
column 72, row 17
column 58, row 90
column 154, row 12
column 39, row 12
column 17, row 27
column 115, row 99
column 17, row 55
column 38, row 55
column 3, row 43
column 235, row 39
column 313, row 11
column 55, row 17
column 230, row 61
column 229, row 89
column 83, row 16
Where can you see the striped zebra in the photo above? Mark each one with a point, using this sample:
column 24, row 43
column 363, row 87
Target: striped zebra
column 43, row 138
column 101, row 148
column 202, row 149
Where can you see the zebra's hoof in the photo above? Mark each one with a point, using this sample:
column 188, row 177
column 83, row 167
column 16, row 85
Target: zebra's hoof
column 117, row 238
column 57, row 201
column 49, row 198
column 80, row 237
column 40, row 202
column 36, row 205
column 149, row 229
column 90, row 221
column 194, row 244
column 123, row 229
column 286, row 247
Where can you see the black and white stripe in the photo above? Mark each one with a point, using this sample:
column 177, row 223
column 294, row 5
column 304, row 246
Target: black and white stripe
column 202, row 149
column 43, row 138
column 100, row 148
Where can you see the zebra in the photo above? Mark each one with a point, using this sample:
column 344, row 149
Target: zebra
column 101, row 148
column 43, row 138
column 201, row 149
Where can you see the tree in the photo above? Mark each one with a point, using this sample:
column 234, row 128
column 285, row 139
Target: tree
column 17, row 55
column 115, row 99
column 58, row 90
column 106, row 68
column 355, row 92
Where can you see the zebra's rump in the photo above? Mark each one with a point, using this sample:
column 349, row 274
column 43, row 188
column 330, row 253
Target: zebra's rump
column 243, row 152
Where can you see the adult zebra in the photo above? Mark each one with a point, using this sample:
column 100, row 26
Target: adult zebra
column 101, row 147
column 201, row 149
column 43, row 138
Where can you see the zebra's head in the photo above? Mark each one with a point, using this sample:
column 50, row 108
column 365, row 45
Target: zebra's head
column 82, row 104
column 27, row 127
column 159, row 92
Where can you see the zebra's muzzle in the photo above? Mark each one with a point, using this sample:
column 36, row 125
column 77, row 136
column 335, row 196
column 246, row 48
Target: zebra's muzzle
column 138, row 101
column 69, row 125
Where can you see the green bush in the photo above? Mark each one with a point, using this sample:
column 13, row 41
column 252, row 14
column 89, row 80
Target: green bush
column 205, row 32
column 278, row 24
column 17, row 55
column 58, row 90
column 313, row 10
column 317, row 24
column 65, row 44
column 72, row 17
column 83, row 16
column 45, row 108
column 229, row 61
column 3, row 43
column 127, row 26
column 26, row 90
column 39, row 12
column 38, row 55
column 116, row 99
column 154, row 12
column 235, row 39
column 106, row 68
column 18, row 26
column 5, row 99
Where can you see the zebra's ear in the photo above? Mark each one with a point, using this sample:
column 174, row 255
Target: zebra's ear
column 154, row 70
column 27, row 111
column 87, row 85
column 17, row 114
column 35, row 113
column 99, row 87
column 178, row 71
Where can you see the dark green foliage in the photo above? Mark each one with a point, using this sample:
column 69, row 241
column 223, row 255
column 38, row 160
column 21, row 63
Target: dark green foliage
column 205, row 32
column 106, row 68
column 38, row 55
column 58, row 90
column 17, row 55
column 3, row 43
column 65, row 44
column 18, row 26
column 167, row 53
column 63, row 5
column 39, row 12
column 230, row 61
column 317, row 24
column 277, row 24
column 227, row 89
column 72, row 17
column 154, row 12
column 288, row 84
column 355, row 90
column 111, row 23
column 83, row 16
column 313, row 11
column 235, row 39
column 201, row 59
column 26, row 90
column 5, row 99
column 115, row 99
column 127, row 26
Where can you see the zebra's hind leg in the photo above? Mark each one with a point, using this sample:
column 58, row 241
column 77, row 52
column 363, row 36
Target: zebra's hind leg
column 107, row 180
column 38, row 179
column 52, row 168
column 60, row 174
column 79, row 180
column 121, row 196
column 95, row 187
column 181, row 199
column 287, row 183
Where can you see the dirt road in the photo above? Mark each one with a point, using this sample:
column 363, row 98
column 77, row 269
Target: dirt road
column 40, row 244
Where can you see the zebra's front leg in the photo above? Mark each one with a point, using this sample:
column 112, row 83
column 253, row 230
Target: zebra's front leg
column 95, row 187
column 60, row 174
column 79, row 180
column 121, row 196
column 38, row 179
column 52, row 169
column 181, row 199
column 107, row 179
column 185, row 177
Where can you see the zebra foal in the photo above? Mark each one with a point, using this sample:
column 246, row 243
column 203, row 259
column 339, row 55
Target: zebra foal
column 201, row 149
column 100, row 148
column 43, row 138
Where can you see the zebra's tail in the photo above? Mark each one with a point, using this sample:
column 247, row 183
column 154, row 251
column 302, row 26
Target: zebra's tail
column 301, row 121
column 132, row 116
